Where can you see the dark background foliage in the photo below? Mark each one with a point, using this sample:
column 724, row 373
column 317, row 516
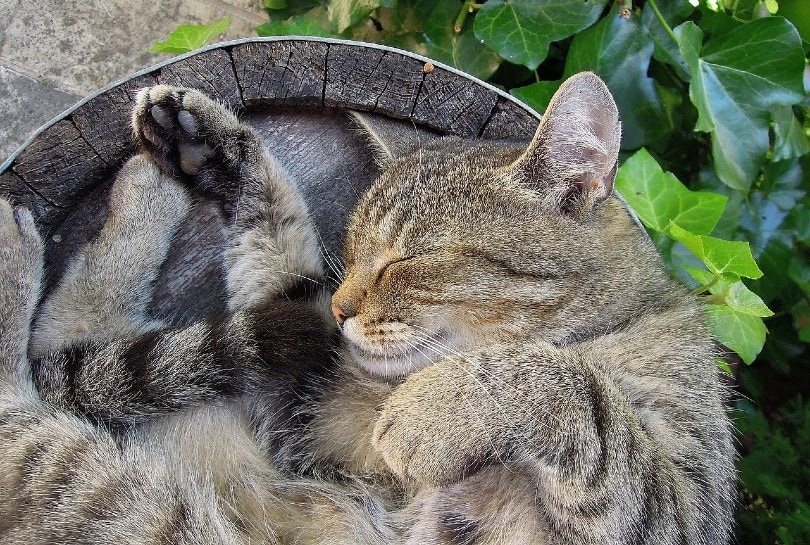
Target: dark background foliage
column 714, row 104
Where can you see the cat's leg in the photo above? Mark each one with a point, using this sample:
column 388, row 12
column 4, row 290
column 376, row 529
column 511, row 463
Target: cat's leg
column 273, row 259
column 129, row 381
column 61, row 479
column 106, row 289
column 601, row 473
column 275, row 250
column 96, row 315
column 130, row 378
column 21, row 259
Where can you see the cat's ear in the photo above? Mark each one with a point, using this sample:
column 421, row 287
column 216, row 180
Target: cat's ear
column 390, row 138
column 573, row 156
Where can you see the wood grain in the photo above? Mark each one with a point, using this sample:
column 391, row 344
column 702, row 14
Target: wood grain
column 103, row 121
column 509, row 120
column 454, row 104
column 290, row 73
column 375, row 80
column 211, row 72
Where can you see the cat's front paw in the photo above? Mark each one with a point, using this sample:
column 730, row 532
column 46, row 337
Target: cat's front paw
column 429, row 430
column 194, row 139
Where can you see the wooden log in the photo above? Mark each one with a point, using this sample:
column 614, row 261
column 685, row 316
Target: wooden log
column 60, row 166
column 210, row 71
column 14, row 188
column 452, row 103
column 509, row 120
column 375, row 80
column 103, row 121
column 286, row 72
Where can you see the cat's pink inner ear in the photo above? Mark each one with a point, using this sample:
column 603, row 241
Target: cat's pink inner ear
column 572, row 158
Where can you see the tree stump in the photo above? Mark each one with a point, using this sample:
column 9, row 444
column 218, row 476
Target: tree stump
column 293, row 92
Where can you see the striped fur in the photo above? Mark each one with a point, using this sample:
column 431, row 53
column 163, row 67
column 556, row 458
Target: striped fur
column 514, row 365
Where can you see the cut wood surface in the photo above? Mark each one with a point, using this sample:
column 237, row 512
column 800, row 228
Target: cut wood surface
column 292, row 91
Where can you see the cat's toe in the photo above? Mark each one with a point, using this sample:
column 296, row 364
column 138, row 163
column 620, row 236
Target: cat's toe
column 193, row 138
column 194, row 156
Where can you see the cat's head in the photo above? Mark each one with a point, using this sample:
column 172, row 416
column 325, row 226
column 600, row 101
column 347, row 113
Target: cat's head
column 460, row 243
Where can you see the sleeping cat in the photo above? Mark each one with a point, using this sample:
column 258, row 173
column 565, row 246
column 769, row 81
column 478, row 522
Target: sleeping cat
column 513, row 363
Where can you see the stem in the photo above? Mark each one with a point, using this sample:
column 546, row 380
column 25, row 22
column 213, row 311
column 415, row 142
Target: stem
column 462, row 16
column 663, row 21
column 707, row 286
column 469, row 6
column 717, row 299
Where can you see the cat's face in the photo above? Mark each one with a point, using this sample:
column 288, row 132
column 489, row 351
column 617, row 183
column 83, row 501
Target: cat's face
column 449, row 253
column 460, row 244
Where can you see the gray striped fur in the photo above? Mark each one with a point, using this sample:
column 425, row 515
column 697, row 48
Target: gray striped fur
column 515, row 366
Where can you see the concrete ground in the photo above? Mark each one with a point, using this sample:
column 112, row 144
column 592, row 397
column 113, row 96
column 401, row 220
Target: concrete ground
column 55, row 52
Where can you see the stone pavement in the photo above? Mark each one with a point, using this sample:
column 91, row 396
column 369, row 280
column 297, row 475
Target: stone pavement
column 55, row 52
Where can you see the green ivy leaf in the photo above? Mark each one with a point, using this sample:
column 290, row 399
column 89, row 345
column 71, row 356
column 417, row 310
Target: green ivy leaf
column 187, row 38
column 728, row 258
column 734, row 294
column 619, row 51
column 742, row 333
column 284, row 9
column 666, row 49
column 439, row 41
column 765, row 211
column 409, row 17
column 775, row 283
column 724, row 366
column 743, row 300
column 343, row 14
column 660, row 199
column 790, row 140
column 747, row 9
column 521, row 30
column 538, row 94
column 799, row 272
column 736, row 80
column 275, row 4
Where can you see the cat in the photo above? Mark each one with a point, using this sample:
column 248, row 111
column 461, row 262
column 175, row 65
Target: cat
column 505, row 360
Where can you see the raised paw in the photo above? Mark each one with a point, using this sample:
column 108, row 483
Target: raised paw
column 194, row 139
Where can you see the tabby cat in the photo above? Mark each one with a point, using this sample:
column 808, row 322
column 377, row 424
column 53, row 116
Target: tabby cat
column 505, row 360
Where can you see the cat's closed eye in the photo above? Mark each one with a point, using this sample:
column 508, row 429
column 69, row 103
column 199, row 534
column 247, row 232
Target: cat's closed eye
column 385, row 268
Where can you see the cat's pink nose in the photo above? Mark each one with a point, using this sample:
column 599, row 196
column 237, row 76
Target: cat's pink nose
column 339, row 313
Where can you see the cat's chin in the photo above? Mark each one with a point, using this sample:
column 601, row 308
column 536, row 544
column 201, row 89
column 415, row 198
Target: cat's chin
column 390, row 365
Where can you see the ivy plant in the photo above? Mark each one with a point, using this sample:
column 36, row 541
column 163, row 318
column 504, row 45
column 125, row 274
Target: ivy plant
column 715, row 158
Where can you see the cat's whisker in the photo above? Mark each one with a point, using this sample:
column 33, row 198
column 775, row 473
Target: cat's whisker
column 459, row 359
column 334, row 264
column 453, row 358
column 316, row 282
column 338, row 272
